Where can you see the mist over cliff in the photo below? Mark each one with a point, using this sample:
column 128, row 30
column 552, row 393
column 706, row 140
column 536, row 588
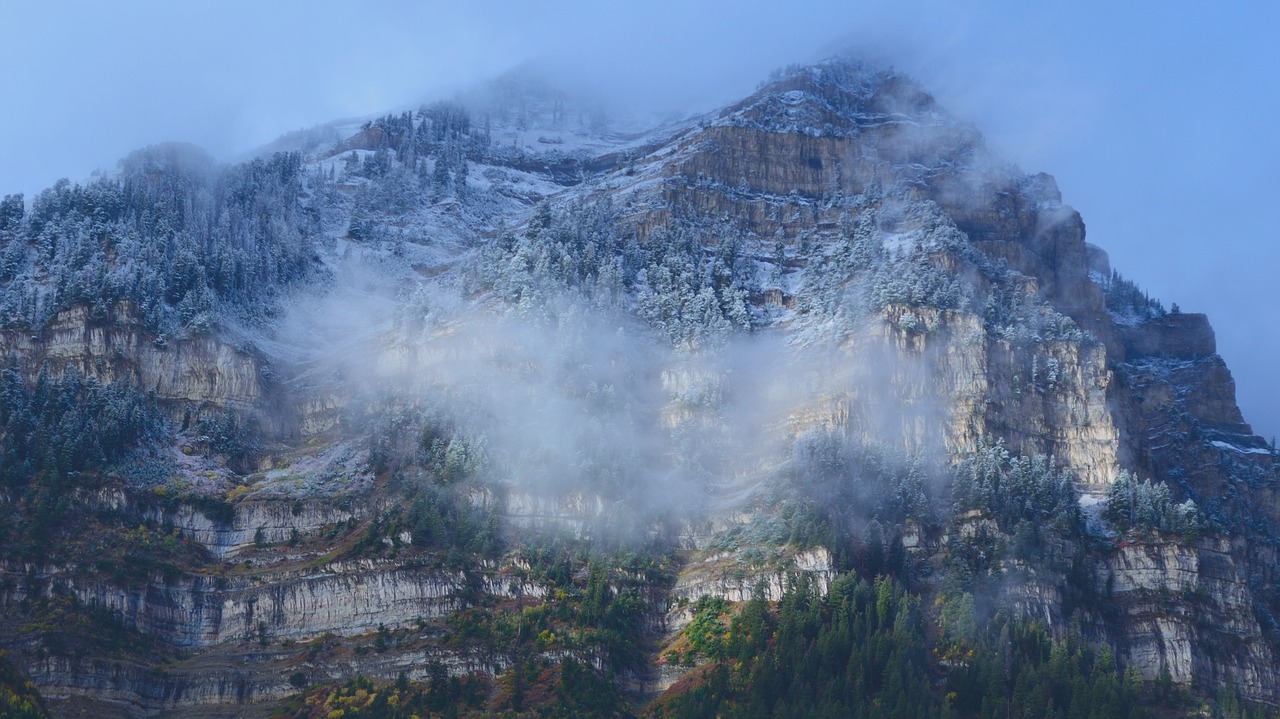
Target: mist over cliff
column 511, row 403
column 1098, row 97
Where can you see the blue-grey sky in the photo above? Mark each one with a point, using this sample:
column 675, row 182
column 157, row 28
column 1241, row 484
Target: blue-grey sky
column 1158, row 119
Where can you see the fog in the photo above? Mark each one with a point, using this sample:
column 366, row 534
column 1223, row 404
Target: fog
column 1156, row 124
column 576, row 402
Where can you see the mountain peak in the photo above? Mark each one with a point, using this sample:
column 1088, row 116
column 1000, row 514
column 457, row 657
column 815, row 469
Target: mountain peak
column 835, row 97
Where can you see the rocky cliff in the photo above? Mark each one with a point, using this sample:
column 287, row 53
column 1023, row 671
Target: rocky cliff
column 189, row 374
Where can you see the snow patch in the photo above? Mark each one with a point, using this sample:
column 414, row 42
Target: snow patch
column 1242, row 450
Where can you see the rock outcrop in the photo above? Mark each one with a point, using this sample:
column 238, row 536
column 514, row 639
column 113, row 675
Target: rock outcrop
column 189, row 374
column 1187, row 609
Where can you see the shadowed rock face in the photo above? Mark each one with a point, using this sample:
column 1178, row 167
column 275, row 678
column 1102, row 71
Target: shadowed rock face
column 1152, row 397
column 1174, row 336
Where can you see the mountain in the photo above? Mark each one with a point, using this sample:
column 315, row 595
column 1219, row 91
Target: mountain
column 808, row 405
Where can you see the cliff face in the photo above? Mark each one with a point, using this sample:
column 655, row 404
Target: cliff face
column 1151, row 396
column 776, row 167
column 1188, row 609
column 188, row 375
column 253, row 523
column 342, row 598
column 787, row 173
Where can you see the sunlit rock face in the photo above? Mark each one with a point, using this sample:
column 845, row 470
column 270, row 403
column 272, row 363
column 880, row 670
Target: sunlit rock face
column 790, row 174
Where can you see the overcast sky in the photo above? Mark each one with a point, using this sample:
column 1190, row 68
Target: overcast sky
column 1161, row 127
